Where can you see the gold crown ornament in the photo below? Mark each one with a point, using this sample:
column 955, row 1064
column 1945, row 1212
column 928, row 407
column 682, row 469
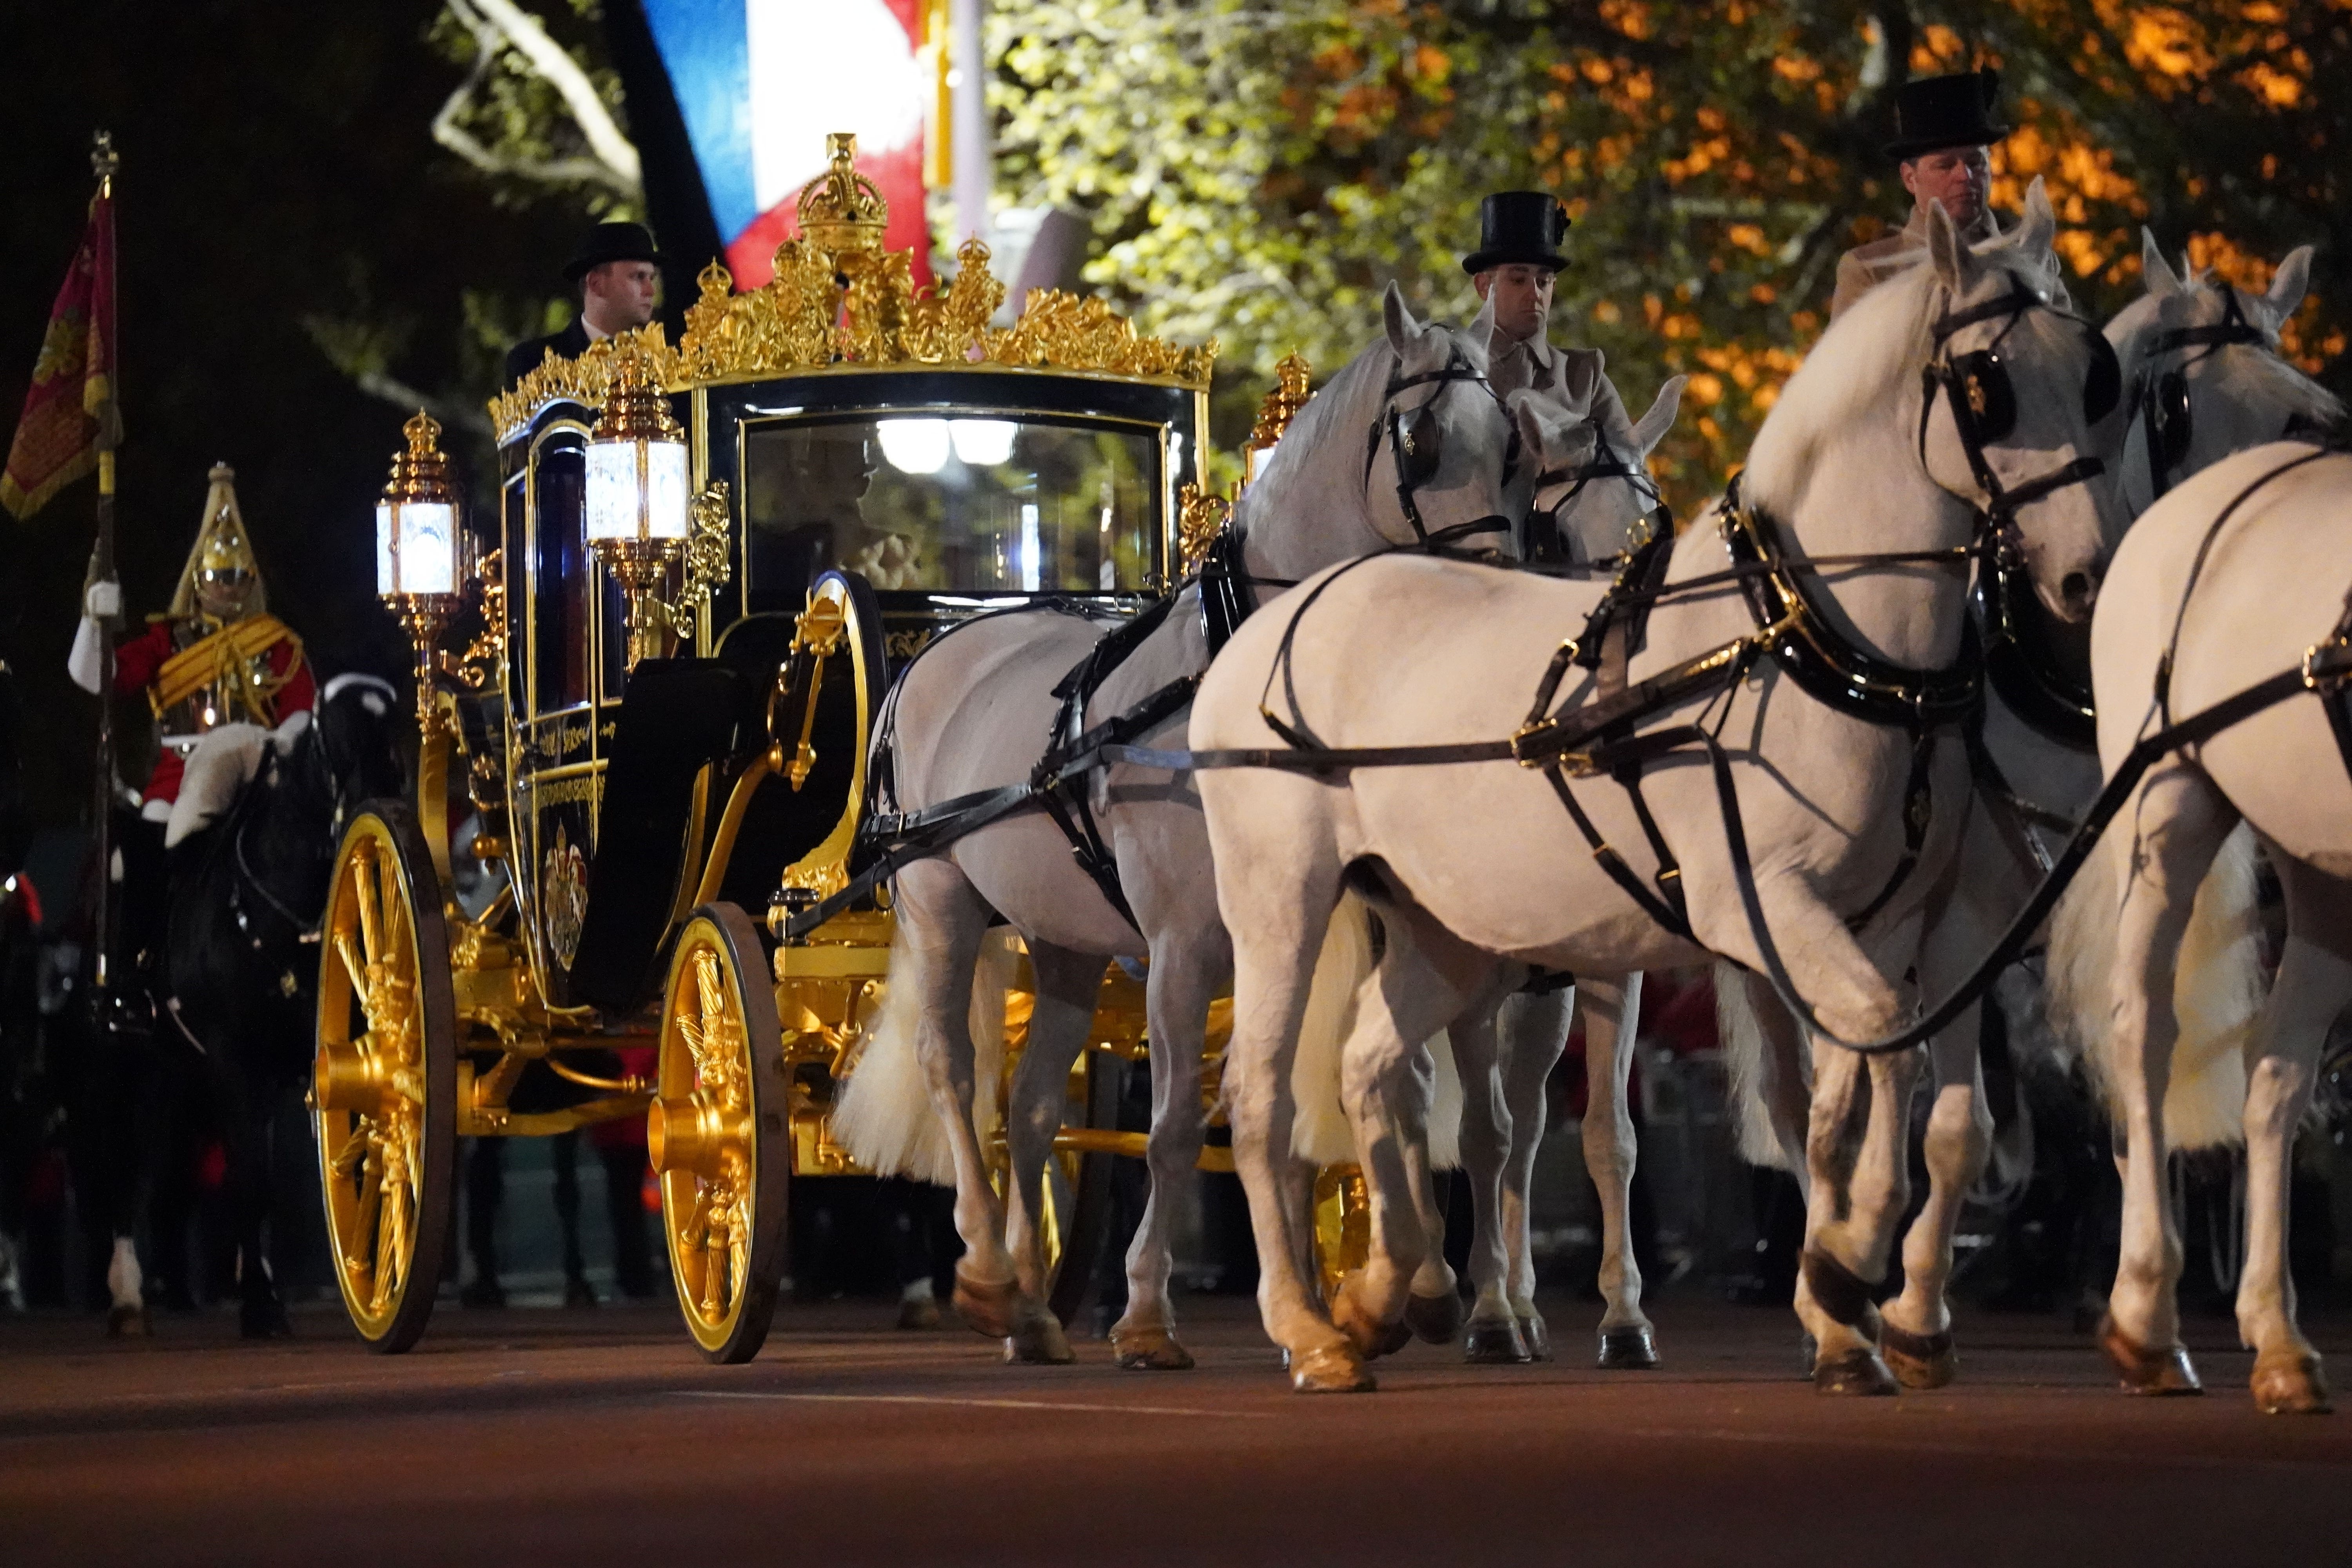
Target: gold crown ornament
column 841, row 210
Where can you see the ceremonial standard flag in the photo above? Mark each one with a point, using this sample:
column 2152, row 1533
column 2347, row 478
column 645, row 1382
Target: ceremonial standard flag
column 73, row 382
column 760, row 83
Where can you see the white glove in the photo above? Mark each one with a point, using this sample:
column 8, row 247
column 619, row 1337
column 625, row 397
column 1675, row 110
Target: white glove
column 104, row 601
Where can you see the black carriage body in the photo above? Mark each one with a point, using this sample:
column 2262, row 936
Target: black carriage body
column 617, row 780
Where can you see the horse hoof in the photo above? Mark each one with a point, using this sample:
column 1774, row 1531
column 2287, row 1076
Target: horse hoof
column 1437, row 1320
column 2291, row 1385
column 988, row 1306
column 1919, row 1361
column 123, row 1322
column 1038, row 1342
column 1628, row 1350
column 1858, row 1372
column 1498, row 1344
column 1149, row 1350
column 1537, row 1338
column 1371, row 1336
column 2146, row 1371
column 1330, row 1369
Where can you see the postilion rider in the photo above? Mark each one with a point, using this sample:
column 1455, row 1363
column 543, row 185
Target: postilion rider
column 617, row 270
column 215, row 656
column 1513, row 268
column 1943, row 151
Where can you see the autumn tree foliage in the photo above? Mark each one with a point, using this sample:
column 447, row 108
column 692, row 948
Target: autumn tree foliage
column 1261, row 172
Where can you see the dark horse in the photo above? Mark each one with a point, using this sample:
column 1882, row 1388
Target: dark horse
column 247, row 893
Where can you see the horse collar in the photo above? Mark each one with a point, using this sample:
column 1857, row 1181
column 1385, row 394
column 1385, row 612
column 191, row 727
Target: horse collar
column 1817, row 657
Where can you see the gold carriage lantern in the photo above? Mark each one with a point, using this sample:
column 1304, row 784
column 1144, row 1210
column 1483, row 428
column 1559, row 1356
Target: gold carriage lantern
column 637, row 499
column 419, row 547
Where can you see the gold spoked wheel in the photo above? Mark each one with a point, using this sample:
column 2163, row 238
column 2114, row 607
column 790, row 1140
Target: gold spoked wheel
column 718, row 1135
column 384, row 1076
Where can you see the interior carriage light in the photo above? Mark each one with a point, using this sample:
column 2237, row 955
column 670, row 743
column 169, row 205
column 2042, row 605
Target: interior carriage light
column 416, row 519
column 915, row 446
column 982, row 443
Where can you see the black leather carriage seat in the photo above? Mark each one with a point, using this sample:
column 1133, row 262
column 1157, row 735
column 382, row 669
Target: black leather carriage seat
column 677, row 715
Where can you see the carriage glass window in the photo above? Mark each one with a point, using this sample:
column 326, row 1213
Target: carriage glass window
column 964, row 503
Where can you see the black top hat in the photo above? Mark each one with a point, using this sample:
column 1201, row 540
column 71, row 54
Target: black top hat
column 1518, row 227
column 1940, row 111
column 611, row 242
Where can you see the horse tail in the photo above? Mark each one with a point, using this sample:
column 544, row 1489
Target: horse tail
column 1320, row 1132
column 1746, row 1053
column 2218, row 987
column 884, row 1117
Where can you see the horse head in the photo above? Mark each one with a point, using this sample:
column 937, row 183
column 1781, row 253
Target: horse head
column 2205, row 377
column 1593, row 496
column 354, row 756
column 2015, row 393
column 1443, row 460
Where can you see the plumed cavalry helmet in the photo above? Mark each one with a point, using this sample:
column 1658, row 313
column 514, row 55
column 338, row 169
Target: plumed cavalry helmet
column 1518, row 227
column 223, row 553
column 1937, row 112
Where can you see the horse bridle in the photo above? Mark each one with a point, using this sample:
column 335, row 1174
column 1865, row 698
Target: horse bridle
column 1416, row 440
column 1984, row 408
column 1658, row 521
column 2160, row 401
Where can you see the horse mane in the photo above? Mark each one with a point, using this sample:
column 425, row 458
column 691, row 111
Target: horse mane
column 1347, row 399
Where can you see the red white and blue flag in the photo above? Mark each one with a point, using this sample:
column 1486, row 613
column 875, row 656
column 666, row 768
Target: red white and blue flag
column 760, row 83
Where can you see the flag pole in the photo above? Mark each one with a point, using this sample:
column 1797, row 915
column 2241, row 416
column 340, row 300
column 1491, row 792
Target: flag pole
column 103, row 162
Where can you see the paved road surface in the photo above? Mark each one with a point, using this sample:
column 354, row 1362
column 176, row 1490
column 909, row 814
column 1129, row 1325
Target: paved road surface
column 594, row 1437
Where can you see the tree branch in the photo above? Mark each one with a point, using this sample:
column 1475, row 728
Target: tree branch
column 499, row 25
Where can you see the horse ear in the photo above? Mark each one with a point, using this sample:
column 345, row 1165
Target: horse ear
column 1652, row 427
column 2161, row 279
column 1398, row 319
column 2290, row 283
column 2041, row 229
column 1954, row 266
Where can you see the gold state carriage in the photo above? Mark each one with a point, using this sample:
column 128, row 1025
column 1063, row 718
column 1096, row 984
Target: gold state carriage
column 673, row 659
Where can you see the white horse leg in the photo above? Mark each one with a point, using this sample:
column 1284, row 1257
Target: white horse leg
column 1062, row 1015
column 1283, row 909
column 942, row 924
column 1916, row 1334
column 1385, row 1083
column 2314, row 983
column 126, row 1285
column 2178, row 821
column 1534, row 1030
column 1611, row 1007
column 1177, row 998
column 1490, row 1143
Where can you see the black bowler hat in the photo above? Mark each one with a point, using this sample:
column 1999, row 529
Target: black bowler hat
column 1518, row 227
column 1941, row 111
column 611, row 242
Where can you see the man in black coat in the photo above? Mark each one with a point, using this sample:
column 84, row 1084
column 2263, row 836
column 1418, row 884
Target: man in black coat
column 618, row 273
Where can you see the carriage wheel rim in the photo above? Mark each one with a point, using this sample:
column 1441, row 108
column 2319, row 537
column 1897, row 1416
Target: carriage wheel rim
column 707, row 1209
column 371, row 1158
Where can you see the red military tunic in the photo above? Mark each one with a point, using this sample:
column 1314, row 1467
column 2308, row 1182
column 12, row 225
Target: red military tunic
column 138, row 662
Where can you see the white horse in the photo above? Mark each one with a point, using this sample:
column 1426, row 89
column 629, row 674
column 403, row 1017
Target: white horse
column 974, row 713
column 2034, row 777
column 2234, row 576
column 1467, row 861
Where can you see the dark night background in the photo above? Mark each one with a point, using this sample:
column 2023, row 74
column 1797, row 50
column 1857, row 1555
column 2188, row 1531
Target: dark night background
column 276, row 164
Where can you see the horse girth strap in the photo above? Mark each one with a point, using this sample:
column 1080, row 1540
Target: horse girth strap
column 227, row 652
